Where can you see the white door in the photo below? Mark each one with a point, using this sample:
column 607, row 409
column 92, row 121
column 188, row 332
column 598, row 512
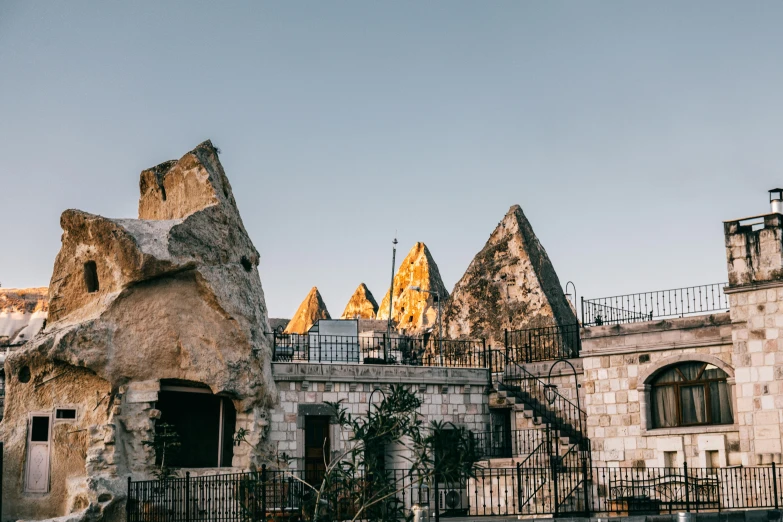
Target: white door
column 39, row 430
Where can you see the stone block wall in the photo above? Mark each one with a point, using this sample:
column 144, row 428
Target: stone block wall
column 757, row 323
column 456, row 395
column 619, row 360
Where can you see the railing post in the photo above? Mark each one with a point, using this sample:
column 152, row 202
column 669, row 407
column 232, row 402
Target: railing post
column 437, row 493
column 263, row 492
column 775, row 484
column 687, row 493
column 127, row 500
column 586, row 485
column 583, row 311
column 187, row 496
column 553, row 457
column 519, row 486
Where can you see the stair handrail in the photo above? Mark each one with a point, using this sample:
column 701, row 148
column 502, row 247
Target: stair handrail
column 566, row 405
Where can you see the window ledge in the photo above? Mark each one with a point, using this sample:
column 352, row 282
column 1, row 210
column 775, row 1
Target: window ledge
column 688, row 430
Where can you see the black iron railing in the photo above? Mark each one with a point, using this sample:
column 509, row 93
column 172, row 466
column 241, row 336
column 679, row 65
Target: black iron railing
column 558, row 486
column 378, row 349
column 659, row 304
column 543, row 344
column 545, row 402
column 514, row 443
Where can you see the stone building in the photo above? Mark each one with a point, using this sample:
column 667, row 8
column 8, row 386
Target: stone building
column 162, row 320
column 155, row 319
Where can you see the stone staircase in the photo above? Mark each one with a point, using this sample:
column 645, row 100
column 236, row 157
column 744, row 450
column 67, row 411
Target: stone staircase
column 552, row 481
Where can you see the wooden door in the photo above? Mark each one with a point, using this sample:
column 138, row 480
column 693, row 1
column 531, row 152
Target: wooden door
column 317, row 447
column 39, row 434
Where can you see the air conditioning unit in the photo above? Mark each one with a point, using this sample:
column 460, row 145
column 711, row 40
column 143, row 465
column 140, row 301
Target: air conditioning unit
column 453, row 498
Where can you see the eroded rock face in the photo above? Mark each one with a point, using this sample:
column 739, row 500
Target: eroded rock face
column 510, row 284
column 174, row 295
column 22, row 314
column 414, row 311
column 362, row 305
column 309, row 312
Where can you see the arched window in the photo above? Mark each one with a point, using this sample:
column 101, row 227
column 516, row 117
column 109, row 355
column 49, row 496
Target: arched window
column 690, row 394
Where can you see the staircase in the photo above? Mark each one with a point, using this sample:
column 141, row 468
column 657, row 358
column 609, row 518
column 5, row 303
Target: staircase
column 554, row 477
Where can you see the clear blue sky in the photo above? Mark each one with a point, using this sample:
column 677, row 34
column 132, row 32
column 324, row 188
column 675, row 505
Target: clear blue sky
column 627, row 131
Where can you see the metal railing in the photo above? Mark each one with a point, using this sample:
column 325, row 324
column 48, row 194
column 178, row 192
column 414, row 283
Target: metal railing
column 378, row 349
column 543, row 344
column 491, row 445
column 659, row 304
column 556, row 410
column 559, row 486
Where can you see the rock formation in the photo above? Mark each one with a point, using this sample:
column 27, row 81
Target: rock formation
column 414, row 311
column 174, row 295
column 362, row 305
column 22, row 314
column 510, row 284
column 309, row 312
column 278, row 323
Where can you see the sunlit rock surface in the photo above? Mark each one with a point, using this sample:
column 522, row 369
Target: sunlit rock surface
column 361, row 305
column 309, row 312
column 414, row 311
column 510, row 284
column 23, row 313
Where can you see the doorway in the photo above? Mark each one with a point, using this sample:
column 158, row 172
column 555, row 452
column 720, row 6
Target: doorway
column 317, row 448
column 39, row 435
column 500, row 434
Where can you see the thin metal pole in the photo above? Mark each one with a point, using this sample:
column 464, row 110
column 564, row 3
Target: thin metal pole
column 440, row 330
column 187, row 496
column 775, row 484
column 437, row 493
column 391, row 296
column 263, row 492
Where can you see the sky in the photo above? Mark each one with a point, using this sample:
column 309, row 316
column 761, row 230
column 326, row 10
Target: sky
column 627, row 131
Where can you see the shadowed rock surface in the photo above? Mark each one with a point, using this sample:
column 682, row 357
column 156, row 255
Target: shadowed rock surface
column 362, row 305
column 22, row 314
column 510, row 284
column 173, row 295
column 414, row 311
column 309, row 312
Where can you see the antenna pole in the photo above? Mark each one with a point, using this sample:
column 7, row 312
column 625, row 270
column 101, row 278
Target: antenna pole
column 391, row 298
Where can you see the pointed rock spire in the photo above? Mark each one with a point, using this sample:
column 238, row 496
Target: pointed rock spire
column 309, row 312
column 362, row 305
column 415, row 310
column 511, row 284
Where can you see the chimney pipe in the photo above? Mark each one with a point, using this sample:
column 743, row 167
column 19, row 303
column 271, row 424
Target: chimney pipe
column 776, row 201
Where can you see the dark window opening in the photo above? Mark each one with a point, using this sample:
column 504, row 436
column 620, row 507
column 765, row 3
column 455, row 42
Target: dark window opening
column 246, row 264
column 205, row 424
column 39, row 429
column 410, row 319
column 24, row 374
column 65, row 413
column 91, row 276
column 690, row 394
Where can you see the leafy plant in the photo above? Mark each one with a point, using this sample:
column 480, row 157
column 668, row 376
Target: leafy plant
column 165, row 442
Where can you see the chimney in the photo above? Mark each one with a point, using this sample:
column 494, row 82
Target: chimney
column 754, row 245
column 776, row 201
